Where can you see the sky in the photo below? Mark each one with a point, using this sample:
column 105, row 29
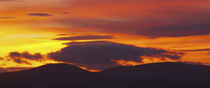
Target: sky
column 98, row 34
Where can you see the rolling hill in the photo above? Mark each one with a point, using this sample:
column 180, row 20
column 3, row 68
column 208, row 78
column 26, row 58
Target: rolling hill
column 177, row 75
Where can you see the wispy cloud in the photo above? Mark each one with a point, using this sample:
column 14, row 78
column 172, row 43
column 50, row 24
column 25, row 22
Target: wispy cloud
column 86, row 37
column 7, row 17
column 39, row 14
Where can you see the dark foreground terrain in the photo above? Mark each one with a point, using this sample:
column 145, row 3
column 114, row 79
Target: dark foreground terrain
column 159, row 75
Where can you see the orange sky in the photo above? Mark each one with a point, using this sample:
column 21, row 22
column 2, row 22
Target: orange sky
column 31, row 25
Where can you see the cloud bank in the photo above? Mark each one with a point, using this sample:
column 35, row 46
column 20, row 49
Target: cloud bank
column 86, row 37
column 103, row 52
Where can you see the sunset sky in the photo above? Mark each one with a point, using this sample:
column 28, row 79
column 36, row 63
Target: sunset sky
column 97, row 34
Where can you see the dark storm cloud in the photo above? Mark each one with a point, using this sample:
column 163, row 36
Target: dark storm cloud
column 86, row 37
column 39, row 14
column 102, row 53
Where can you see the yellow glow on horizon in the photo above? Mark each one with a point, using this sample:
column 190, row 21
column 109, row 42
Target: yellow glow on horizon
column 20, row 39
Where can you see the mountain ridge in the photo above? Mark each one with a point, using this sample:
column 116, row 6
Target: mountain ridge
column 65, row 75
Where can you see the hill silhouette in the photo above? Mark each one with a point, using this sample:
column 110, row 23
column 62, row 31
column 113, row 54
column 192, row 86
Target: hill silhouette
column 176, row 75
column 47, row 76
column 178, row 71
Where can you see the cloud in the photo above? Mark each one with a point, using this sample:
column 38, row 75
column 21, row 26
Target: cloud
column 11, row 1
column 177, row 30
column 6, row 0
column 62, row 34
column 150, row 30
column 86, row 37
column 40, row 14
column 26, row 55
column 150, row 18
column 7, row 17
column 22, row 57
column 207, row 49
column 102, row 53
